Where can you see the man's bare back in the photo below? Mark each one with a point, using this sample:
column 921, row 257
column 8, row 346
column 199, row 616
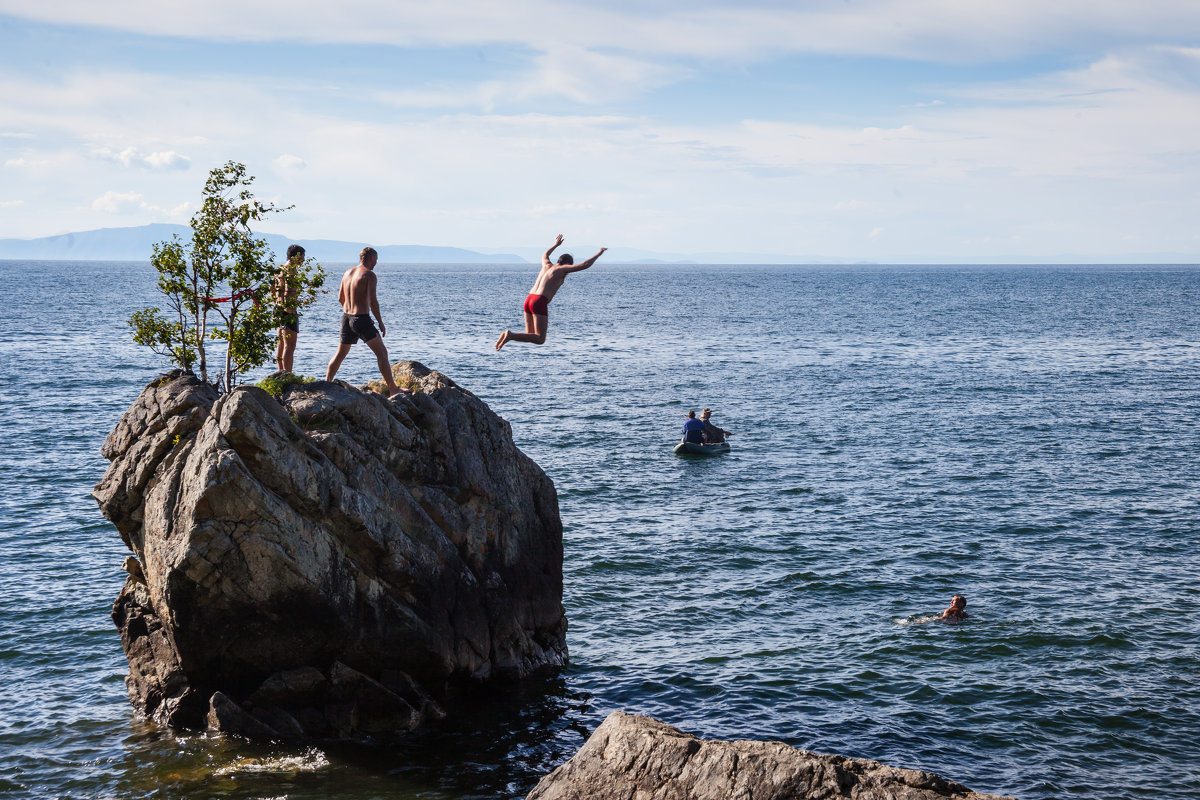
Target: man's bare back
column 357, row 290
column 550, row 278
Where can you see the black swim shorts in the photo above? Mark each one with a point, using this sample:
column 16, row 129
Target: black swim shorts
column 357, row 326
column 291, row 322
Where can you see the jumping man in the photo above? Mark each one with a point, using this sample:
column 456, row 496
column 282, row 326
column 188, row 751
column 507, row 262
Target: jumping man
column 357, row 298
column 537, row 304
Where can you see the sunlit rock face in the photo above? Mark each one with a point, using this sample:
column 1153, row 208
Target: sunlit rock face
column 329, row 562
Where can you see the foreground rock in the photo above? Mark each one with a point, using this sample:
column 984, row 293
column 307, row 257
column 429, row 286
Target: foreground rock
column 632, row 757
column 330, row 563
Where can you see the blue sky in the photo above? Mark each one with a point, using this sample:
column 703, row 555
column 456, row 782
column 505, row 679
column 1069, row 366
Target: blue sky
column 849, row 129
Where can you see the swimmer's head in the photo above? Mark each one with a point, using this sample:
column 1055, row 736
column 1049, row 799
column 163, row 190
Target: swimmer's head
column 565, row 259
column 958, row 601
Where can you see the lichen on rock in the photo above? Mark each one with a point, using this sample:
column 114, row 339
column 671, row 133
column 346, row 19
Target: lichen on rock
column 328, row 563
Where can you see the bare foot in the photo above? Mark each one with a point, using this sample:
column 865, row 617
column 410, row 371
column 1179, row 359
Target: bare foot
column 503, row 338
column 399, row 393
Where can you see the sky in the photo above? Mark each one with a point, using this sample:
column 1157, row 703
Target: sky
column 875, row 130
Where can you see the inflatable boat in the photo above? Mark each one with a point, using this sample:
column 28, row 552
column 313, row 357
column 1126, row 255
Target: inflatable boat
column 689, row 449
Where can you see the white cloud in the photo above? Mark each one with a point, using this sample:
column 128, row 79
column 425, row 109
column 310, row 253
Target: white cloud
column 18, row 163
column 125, row 157
column 11, row 203
column 132, row 156
column 290, row 162
column 167, row 160
column 135, row 203
column 117, row 203
column 584, row 75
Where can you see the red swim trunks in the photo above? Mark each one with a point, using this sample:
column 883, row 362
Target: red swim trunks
column 538, row 304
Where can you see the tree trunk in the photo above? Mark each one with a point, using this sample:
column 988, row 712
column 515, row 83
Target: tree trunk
column 230, row 374
column 201, row 324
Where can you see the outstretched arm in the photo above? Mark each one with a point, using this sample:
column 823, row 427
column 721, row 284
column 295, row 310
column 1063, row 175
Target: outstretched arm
column 585, row 264
column 546, row 255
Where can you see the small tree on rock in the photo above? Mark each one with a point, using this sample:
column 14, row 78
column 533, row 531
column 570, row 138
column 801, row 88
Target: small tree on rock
column 227, row 272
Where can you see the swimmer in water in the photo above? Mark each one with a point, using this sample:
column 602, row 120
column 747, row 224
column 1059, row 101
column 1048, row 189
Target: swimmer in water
column 956, row 610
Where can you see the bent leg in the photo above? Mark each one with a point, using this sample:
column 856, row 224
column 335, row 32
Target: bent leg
column 336, row 361
column 535, row 331
column 385, row 368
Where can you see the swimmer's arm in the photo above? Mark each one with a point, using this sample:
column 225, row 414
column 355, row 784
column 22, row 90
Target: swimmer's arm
column 585, row 264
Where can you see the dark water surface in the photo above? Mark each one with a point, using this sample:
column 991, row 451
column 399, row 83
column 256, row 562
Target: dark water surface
column 1025, row 436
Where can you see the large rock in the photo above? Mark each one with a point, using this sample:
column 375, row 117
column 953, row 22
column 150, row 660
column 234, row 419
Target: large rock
column 327, row 563
column 631, row 757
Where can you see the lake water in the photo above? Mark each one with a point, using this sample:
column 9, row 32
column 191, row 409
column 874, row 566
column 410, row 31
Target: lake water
column 1025, row 436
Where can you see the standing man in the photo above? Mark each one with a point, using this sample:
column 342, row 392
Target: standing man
column 537, row 304
column 287, row 290
column 357, row 298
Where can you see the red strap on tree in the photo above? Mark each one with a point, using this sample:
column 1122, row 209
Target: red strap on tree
column 234, row 296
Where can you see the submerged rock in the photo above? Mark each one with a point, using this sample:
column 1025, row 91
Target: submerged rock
column 632, row 756
column 330, row 562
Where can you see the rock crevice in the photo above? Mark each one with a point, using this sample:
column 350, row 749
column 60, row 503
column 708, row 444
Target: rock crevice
column 327, row 563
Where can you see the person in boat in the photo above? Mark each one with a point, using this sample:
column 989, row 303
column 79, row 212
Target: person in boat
column 357, row 298
column 956, row 611
column 537, row 304
column 285, row 347
column 693, row 429
column 712, row 434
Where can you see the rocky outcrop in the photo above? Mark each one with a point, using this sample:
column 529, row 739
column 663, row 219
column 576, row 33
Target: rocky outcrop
column 327, row 563
column 632, row 757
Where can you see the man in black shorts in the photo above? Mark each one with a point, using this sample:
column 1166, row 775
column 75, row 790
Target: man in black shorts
column 285, row 290
column 357, row 298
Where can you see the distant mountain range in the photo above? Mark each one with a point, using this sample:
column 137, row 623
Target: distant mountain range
column 133, row 244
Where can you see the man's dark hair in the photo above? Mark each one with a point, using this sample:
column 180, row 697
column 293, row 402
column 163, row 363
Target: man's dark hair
column 565, row 258
column 692, row 414
column 295, row 250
